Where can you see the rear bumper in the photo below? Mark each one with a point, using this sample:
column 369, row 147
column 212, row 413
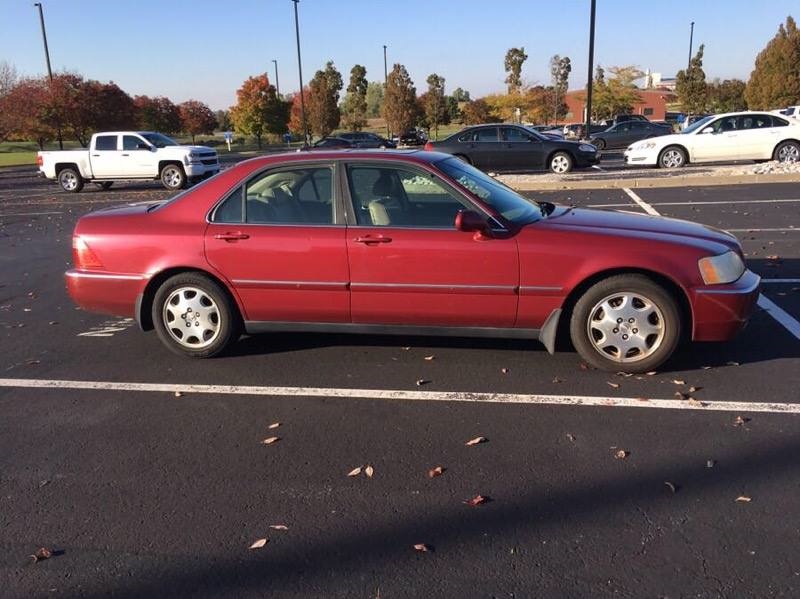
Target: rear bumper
column 721, row 311
column 107, row 293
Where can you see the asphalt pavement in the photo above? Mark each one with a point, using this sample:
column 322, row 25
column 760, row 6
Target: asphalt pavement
column 146, row 474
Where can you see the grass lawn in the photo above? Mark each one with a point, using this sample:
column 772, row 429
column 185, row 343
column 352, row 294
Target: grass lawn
column 17, row 158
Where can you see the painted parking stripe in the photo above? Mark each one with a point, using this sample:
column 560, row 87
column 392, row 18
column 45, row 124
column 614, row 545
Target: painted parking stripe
column 720, row 203
column 780, row 281
column 640, row 202
column 27, row 214
column 402, row 395
column 781, row 315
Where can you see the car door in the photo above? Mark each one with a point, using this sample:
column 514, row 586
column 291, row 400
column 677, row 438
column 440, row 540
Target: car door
column 105, row 157
column 481, row 145
column 408, row 263
column 519, row 150
column 279, row 239
column 757, row 136
column 139, row 159
column 716, row 141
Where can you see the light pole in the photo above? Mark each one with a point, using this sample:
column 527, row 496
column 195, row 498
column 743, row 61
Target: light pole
column 385, row 87
column 691, row 35
column 300, row 72
column 591, row 68
column 47, row 57
column 277, row 84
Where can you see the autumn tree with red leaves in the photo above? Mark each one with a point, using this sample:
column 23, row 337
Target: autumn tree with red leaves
column 196, row 118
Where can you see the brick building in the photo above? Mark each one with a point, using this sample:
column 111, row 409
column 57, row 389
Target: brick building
column 653, row 105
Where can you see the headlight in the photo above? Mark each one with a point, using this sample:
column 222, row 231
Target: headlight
column 587, row 148
column 725, row 268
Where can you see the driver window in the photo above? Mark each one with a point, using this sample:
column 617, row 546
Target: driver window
column 512, row 134
column 297, row 196
column 131, row 142
column 725, row 124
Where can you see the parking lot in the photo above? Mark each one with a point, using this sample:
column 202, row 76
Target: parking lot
column 146, row 472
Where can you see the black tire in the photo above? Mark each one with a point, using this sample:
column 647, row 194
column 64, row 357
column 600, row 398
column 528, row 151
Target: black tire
column 463, row 158
column 787, row 151
column 167, row 309
column 672, row 157
column 173, row 176
column 104, row 185
column 600, row 144
column 560, row 163
column 70, row 180
column 663, row 315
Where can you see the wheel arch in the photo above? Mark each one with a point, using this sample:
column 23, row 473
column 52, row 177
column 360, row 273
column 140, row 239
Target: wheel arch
column 681, row 147
column 60, row 166
column 557, row 151
column 672, row 286
column 165, row 162
column 783, row 141
column 144, row 302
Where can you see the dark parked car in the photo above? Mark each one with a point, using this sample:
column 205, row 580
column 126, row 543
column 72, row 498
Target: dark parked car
column 413, row 137
column 331, row 143
column 624, row 134
column 513, row 147
column 364, row 139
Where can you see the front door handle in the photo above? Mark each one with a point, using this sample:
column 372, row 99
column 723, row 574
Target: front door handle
column 126, row 154
column 231, row 236
column 368, row 239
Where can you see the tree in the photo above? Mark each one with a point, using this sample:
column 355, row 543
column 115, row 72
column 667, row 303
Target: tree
column 258, row 109
column 374, row 99
column 453, row 111
column 690, row 84
column 775, row 80
column 156, row 114
column 435, row 105
column 476, row 112
column 560, row 68
column 399, row 105
column 223, row 120
column 196, row 118
column 296, row 113
column 25, row 110
column 8, row 77
column 515, row 57
column 616, row 95
column 460, row 95
column 726, row 96
column 354, row 107
column 322, row 106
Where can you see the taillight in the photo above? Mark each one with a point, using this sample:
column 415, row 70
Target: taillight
column 82, row 255
column 39, row 160
column 428, row 146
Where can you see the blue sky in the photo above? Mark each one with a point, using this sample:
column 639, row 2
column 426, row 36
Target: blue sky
column 204, row 50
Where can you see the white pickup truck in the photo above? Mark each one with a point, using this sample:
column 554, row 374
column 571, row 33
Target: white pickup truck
column 125, row 156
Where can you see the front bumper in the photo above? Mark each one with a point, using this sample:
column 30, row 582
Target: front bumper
column 586, row 159
column 640, row 157
column 719, row 312
column 198, row 169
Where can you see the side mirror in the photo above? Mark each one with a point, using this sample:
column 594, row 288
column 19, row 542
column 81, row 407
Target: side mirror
column 468, row 220
column 707, row 130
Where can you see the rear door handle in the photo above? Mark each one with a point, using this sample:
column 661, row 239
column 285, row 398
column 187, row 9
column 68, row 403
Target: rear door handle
column 369, row 239
column 231, row 236
column 126, row 154
column 96, row 155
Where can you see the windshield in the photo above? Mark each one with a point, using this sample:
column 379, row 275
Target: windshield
column 503, row 199
column 159, row 140
column 697, row 125
column 535, row 133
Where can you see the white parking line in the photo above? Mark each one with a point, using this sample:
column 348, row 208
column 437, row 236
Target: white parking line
column 780, row 315
column 780, row 281
column 401, row 395
column 28, row 214
column 642, row 204
column 704, row 203
column 795, row 229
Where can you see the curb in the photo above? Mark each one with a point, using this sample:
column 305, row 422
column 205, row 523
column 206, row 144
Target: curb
column 654, row 182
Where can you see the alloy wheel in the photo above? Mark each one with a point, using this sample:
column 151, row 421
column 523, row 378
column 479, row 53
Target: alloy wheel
column 191, row 317
column 625, row 327
column 672, row 158
column 789, row 153
column 560, row 164
column 69, row 181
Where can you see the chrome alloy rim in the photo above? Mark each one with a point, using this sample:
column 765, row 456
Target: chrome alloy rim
column 172, row 176
column 68, row 180
column 191, row 317
column 625, row 327
column 560, row 164
column 789, row 153
column 672, row 158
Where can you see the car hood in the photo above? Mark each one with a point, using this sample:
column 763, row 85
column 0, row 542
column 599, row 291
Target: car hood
column 614, row 221
column 665, row 140
column 191, row 148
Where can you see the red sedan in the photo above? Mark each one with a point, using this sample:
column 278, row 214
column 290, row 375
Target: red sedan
column 413, row 243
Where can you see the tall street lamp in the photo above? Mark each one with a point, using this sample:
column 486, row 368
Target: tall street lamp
column 385, row 87
column 300, row 72
column 591, row 68
column 691, row 35
column 277, row 84
column 47, row 57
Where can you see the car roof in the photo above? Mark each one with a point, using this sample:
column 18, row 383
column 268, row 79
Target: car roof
column 415, row 156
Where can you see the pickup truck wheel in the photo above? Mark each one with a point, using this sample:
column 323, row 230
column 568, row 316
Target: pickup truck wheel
column 70, row 180
column 173, row 177
column 103, row 184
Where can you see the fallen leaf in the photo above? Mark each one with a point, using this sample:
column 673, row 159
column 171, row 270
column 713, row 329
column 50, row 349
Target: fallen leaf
column 270, row 440
column 694, row 389
column 651, row 373
column 278, row 527
column 434, row 472
column 693, row 402
column 354, row 472
column 739, row 421
column 42, row 553
column 406, row 348
column 274, row 425
column 477, row 500
column 731, row 363
column 642, row 399
column 706, row 367
column 743, row 499
column 422, row 547
column 53, row 322
column 421, row 382
column 178, row 394
column 614, row 385
column 369, row 471
column 259, row 543
column 678, row 382
column 583, row 366
column 557, row 380
column 570, row 437
column 476, row 441
column 710, row 463
column 33, row 362
column 670, row 486
column 504, row 370
column 429, row 358
column 625, row 374
column 622, row 454
column 682, row 395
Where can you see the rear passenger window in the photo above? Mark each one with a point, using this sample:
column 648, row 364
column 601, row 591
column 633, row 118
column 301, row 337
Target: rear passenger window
column 779, row 122
column 486, row 134
column 105, row 142
column 293, row 196
column 230, row 210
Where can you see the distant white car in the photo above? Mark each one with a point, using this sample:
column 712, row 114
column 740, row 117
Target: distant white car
column 722, row 138
column 792, row 111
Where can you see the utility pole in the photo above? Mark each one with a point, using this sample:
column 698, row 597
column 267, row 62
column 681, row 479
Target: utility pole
column 277, row 84
column 385, row 87
column 591, row 69
column 300, row 72
column 47, row 57
column 691, row 35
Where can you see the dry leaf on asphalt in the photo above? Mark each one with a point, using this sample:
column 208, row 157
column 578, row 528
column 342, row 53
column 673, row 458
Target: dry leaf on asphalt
column 710, row 463
column 406, row 348
column 678, row 382
column 621, row 454
column 739, row 421
column 476, row 441
column 434, row 472
column 354, row 472
column 504, row 370
column 259, row 544
column 557, row 380
column 693, row 402
column 614, row 385
column 731, row 363
column 421, row 382
column 695, row 389
column 274, row 425
column 477, row 500
column 670, row 486
column 422, row 547
column 429, row 358
column 369, row 471
column 651, row 373
column 278, row 527
column 743, row 499
column 178, row 394
column 270, row 440
column 42, row 553
column 570, row 437
column 627, row 375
